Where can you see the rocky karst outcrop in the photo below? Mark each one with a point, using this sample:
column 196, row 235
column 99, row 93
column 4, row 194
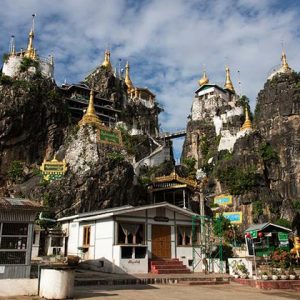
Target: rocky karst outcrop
column 33, row 117
column 98, row 176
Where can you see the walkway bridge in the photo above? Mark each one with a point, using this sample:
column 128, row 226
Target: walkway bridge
column 172, row 135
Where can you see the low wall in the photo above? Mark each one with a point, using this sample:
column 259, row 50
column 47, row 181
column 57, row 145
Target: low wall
column 18, row 287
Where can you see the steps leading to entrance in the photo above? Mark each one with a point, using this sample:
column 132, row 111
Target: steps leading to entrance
column 168, row 266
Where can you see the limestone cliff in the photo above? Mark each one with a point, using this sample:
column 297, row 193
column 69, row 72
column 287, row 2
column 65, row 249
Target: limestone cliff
column 33, row 117
column 277, row 115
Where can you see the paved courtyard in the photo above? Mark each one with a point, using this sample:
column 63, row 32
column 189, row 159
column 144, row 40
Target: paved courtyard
column 171, row 292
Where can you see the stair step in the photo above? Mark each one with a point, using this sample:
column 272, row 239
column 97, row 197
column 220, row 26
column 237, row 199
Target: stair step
column 168, row 267
column 206, row 282
column 171, row 271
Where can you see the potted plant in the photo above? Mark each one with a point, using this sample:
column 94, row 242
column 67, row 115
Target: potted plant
column 265, row 276
column 242, row 270
column 274, row 274
column 292, row 273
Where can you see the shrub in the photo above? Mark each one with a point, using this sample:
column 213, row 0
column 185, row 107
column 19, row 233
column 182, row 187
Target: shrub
column 267, row 152
column 27, row 62
column 116, row 157
column 283, row 222
column 15, row 170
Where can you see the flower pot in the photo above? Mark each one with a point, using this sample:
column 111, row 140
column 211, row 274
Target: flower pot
column 283, row 277
column 292, row 277
column 265, row 277
column 274, row 277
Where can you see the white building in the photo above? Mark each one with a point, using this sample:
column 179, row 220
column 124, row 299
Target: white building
column 125, row 239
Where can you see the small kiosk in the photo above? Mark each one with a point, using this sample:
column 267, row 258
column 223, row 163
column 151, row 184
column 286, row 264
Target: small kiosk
column 265, row 238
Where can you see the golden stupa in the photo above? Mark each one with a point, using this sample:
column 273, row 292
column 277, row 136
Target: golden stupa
column 128, row 82
column 204, row 79
column 90, row 116
column 106, row 62
column 247, row 124
column 30, row 51
column 228, row 83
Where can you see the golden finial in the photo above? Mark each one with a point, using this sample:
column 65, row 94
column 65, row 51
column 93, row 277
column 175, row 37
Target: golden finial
column 228, row 83
column 204, row 79
column 284, row 64
column 90, row 117
column 247, row 124
column 30, row 52
column 106, row 63
column 128, row 81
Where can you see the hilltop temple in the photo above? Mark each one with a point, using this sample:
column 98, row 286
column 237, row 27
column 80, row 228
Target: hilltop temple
column 14, row 60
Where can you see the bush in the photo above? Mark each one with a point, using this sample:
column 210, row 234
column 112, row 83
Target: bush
column 5, row 80
column 267, row 152
column 26, row 63
column 283, row 222
column 15, row 170
column 116, row 157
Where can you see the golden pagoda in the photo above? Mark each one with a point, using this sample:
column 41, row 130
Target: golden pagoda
column 247, row 124
column 90, row 116
column 106, row 63
column 228, row 83
column 284, row 64
column 31, row 52
column 204, row 79
column 128, row 82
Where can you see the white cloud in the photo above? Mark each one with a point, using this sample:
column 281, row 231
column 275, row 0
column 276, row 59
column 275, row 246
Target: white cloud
column 166, row 41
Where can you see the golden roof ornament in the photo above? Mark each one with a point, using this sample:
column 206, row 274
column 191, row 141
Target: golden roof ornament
column 284, row 64
column 228, row 83
column 128, row 81
column 247, row 124
column 106, row 63
column 204, row 79
column 30, row 52
column 90, row 116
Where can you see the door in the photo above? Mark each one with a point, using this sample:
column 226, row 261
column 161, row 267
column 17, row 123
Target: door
column 161, row 241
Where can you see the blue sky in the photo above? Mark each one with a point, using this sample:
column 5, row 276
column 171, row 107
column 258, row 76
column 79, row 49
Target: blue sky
column 167, row 42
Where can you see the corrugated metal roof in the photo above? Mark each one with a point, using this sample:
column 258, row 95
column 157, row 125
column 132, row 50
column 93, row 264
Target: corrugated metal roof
column 262, row 226
column 19, row 203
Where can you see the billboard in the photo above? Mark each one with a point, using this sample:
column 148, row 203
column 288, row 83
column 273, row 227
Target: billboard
column 223, row 200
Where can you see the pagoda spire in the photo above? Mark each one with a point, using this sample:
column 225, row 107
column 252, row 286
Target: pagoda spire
column 90, row 116
column 247, row 124
column 228, row 83
column 30, row 52
column 204, row 79
column 284, row 64
column 128, row 81
column 106, row 62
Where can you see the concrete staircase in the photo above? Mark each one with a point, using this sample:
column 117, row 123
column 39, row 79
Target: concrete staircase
column 168, row 266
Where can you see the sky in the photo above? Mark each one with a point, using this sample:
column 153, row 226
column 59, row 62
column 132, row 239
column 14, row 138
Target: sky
column 167, row 42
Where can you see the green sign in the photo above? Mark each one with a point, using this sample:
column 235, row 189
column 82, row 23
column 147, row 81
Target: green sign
column 283, row 237
column 109, row 136
column 253, row 234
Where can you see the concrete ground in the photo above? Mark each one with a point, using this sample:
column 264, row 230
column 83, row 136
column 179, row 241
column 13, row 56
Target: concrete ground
column 232, row 291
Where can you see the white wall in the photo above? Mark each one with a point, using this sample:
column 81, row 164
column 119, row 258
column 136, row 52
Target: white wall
column 11, row 66
column 18, row 287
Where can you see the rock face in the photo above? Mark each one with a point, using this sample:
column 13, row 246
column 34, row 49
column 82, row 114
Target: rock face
column 277, row 116
column 33, row 117
column 98, row 177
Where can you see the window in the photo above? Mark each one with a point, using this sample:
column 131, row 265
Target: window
column 13, row 243
column 56, row 241
column 184, row 236
column 86, row 235
column 131, row 233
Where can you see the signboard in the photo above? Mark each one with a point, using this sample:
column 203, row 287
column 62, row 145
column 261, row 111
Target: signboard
column 253, row 234
column 283, row 237
column 234, row 217
column 2, row 269
column 53, row 169
column 223, row 200
column 109, row 136
column 161, row 219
